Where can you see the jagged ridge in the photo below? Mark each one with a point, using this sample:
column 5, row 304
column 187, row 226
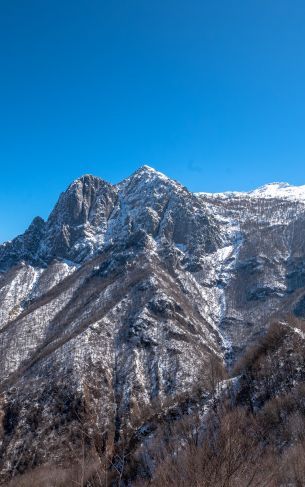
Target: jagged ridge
column 126, row 292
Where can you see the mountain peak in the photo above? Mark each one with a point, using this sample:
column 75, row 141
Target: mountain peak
column 145, row 167
column 276, row 190
column 81, row 192
column 88, row 180
column 149, row 171
column 280, row 190
column 144, row 175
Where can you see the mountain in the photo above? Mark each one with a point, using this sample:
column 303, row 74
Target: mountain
column 129, row 298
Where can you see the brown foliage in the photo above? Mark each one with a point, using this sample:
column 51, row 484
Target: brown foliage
column 54, row 476
column 267, row 344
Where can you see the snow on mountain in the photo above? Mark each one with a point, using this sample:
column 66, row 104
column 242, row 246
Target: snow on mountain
column 271, row 190
column 125, row 295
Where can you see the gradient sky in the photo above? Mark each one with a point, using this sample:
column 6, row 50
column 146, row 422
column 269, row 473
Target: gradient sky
column 210, row 92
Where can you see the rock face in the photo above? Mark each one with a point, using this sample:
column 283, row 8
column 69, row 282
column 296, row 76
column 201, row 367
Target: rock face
column 73, row 231
column 125, row 294
column 268, row 275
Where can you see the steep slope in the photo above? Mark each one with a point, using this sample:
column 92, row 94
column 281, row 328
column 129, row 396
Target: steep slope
column 249, row 433
column 268, row 275
column 110, row 332
column 124, row 297
column 73, row 231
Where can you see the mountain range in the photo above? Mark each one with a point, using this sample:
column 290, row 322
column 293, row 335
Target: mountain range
column 127, row 299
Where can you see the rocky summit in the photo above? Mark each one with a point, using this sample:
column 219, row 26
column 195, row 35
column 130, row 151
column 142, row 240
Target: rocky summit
column 124, row 298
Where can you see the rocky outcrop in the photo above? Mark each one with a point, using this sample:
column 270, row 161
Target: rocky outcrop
column 74, row 230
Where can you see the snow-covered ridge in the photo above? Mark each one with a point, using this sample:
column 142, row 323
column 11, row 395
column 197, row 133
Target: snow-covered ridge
column 127, row 292
column 147, row 175
column 91, row 213
column 269, row 191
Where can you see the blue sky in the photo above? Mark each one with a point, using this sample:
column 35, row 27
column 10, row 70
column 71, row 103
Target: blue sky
column 210, row 92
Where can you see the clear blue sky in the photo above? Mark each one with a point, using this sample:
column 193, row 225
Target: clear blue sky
column 210, row 92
